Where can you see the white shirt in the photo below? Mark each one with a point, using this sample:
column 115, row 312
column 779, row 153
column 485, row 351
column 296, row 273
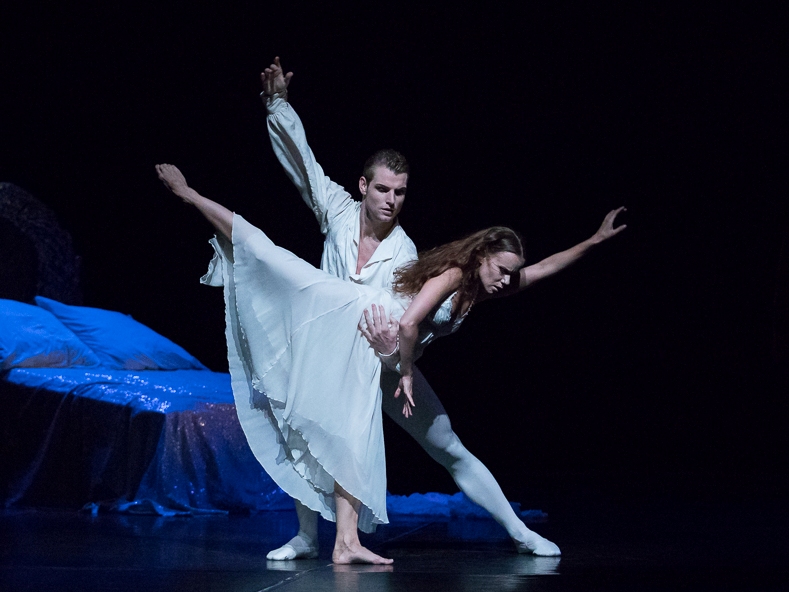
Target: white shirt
column 337, row 212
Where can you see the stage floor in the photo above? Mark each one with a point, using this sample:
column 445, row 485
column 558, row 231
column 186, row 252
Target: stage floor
column 612, row 537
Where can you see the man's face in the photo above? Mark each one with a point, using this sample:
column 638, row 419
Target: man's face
column 383, row 196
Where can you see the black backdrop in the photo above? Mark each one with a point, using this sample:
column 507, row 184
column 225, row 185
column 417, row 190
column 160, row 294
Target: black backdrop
column 654, row 355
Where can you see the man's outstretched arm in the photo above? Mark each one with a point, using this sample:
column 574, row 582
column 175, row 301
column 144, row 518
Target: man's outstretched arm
column 289, row 141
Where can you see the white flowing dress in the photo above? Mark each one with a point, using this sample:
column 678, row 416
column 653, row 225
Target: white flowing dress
column 305, row 380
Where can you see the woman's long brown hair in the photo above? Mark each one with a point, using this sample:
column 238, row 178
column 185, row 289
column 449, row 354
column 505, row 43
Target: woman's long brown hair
column 465, row 254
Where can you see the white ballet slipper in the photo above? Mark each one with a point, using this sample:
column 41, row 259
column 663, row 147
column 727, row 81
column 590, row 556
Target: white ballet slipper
column 290, row 551
column 537, row 545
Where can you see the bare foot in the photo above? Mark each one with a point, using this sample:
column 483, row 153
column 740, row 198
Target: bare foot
column 174, row 180
column 357, row 569
column 344, row 554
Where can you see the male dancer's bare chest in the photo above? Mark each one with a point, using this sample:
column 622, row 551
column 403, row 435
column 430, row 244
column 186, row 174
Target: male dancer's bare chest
column 367, row 247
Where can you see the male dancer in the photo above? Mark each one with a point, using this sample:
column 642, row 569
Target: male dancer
column 365, row 244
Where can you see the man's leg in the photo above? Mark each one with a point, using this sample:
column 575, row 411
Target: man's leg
column 431, row 428
column 305, row 544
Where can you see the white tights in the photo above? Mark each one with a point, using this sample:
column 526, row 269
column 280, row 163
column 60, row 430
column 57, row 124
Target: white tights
column 431, row 428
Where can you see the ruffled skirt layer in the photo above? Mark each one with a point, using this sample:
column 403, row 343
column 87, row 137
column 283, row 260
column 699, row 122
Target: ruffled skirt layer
column 305, row 381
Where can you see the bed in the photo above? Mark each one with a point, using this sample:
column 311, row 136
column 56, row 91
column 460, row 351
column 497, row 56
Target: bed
column 101, row 411
column 98, row 410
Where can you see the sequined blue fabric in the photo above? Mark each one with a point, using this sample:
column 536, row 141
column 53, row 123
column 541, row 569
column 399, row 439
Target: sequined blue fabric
column 150, row 442
column 147, row 390
column 165, row 442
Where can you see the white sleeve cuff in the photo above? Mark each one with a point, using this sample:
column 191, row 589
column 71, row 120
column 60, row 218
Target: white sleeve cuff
column 274, row 103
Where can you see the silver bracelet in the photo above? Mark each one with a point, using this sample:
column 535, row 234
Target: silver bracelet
column 395, row 350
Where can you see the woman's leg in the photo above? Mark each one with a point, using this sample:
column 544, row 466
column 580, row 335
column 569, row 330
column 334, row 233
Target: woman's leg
column 431, row 428
column 305, row 543
column 347, row 547
column 218, row 215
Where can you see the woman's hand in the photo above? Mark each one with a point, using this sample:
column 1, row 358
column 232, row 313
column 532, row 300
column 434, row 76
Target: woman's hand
column 406, row 387
column 607, row 229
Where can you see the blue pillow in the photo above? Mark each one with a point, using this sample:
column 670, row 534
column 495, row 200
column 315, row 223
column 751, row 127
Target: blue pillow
column 31, row 337
column 120, row 342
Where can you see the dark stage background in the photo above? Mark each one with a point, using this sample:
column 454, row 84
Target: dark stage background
column 654, row 356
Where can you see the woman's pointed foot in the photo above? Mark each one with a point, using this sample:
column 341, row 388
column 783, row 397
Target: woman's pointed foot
column 174, row 180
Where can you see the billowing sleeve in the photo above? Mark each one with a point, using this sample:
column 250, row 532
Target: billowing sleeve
column 325, row 198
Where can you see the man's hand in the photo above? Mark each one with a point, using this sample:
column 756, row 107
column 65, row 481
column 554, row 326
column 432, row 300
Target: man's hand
column 380, row 332
column 273, row 79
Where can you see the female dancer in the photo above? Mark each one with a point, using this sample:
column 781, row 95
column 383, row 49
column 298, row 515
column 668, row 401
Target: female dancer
column 306, row 381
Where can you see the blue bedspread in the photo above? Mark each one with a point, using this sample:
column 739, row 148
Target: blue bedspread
column 148, row 390
column 149, row 441
column 164, row 442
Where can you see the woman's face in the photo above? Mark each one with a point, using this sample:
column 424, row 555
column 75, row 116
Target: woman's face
column 495, row 270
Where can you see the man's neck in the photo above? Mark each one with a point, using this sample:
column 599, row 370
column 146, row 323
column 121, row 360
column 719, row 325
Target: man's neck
column 370, row 236
column 370, row 230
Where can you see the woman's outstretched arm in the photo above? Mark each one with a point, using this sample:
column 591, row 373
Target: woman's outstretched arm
column 216, row 214
column 563, row 259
